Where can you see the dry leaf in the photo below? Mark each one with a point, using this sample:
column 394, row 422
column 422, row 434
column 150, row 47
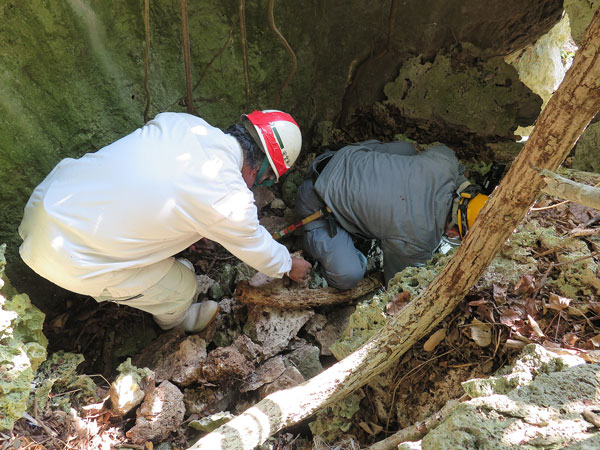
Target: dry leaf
column 479, row 302
column 595, row 340
column 570, row 338
column 365, row 426
column 534, row 325
column 526, row 285
column 508, row 317
column 434, row 340
column 400, row 301
column 481, row 333
column 499, row 294
column 530, row 306
column 376, row 428
column 557, row 302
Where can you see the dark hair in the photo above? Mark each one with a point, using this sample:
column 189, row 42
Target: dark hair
column 253, row 155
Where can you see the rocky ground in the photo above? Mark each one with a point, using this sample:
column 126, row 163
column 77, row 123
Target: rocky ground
column 542, row 289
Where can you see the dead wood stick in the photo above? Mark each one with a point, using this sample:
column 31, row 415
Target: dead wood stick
column 276, row 295
column 420, row 429
column 564, row 188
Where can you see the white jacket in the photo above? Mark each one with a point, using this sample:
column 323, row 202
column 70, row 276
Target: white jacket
column 99, row 220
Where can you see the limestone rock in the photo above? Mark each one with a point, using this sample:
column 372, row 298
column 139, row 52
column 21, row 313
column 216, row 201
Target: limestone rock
column 485, row 96
column 126, row 392
column 262, row 196
column 337, row 320
column 175, row 357
column 305, row 358
column 211, row 422
column 266, row 373
column 22, row 349
column 253, row 352
column 273, row 328
column 204, row 400
column 539, row 404
column 226, row 365
column 161, row 413
column 580, row 14
column 289, row 188
column 289, row 378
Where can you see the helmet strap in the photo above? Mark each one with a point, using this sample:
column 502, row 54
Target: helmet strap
column 263, row 168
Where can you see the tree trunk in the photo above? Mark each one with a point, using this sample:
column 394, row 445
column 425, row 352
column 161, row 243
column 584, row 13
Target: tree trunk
column 568, row 112
column 275, row 294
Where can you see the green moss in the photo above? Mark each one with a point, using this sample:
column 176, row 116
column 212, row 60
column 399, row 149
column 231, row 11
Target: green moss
column 334, row 421
column 362, row 324
column 58, row 375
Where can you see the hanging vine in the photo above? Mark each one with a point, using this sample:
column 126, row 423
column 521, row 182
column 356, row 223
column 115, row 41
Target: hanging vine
column 186, row 57
column 289, row 50
column 146, row 53
column 242, row 14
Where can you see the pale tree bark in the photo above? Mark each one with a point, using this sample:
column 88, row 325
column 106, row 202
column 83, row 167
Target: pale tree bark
column 573, row 191
column 568, row 112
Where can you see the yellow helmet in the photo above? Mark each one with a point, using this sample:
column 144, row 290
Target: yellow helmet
column 471, row 202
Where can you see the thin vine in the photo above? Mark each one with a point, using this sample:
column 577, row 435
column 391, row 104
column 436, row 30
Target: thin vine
column 289, row 50
column 146, row 52
column 186, row 57
column 242, row 14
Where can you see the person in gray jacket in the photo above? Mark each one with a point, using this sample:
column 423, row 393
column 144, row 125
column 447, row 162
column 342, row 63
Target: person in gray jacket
column 387, row 192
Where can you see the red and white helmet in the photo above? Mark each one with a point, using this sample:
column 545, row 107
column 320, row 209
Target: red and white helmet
column 278, row 135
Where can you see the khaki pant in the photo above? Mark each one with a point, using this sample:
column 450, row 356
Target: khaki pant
column 167, row 300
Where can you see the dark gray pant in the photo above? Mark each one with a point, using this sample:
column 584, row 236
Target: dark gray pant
column 343, row 265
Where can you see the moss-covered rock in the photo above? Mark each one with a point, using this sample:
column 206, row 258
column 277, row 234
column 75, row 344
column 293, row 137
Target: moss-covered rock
column 580, row 14
column 466, row 91
column 586, row 151
column 334, row 421
column 58, row 375
column 22, row 348
column 539, row 404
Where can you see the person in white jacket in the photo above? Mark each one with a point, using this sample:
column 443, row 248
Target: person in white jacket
column 108, row 224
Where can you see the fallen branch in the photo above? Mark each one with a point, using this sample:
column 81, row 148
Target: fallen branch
column 569, row 111
column 277, row 295
column 420, row 429
column 566, row 189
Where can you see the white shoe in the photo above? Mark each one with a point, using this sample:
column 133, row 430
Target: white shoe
column 200, row 315
column 187, row 263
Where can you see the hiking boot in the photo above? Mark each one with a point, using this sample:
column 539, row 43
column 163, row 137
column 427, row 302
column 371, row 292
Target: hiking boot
column 200, row 315
column 187, row 263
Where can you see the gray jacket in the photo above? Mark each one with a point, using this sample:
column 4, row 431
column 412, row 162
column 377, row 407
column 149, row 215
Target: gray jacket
column 391, row 193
